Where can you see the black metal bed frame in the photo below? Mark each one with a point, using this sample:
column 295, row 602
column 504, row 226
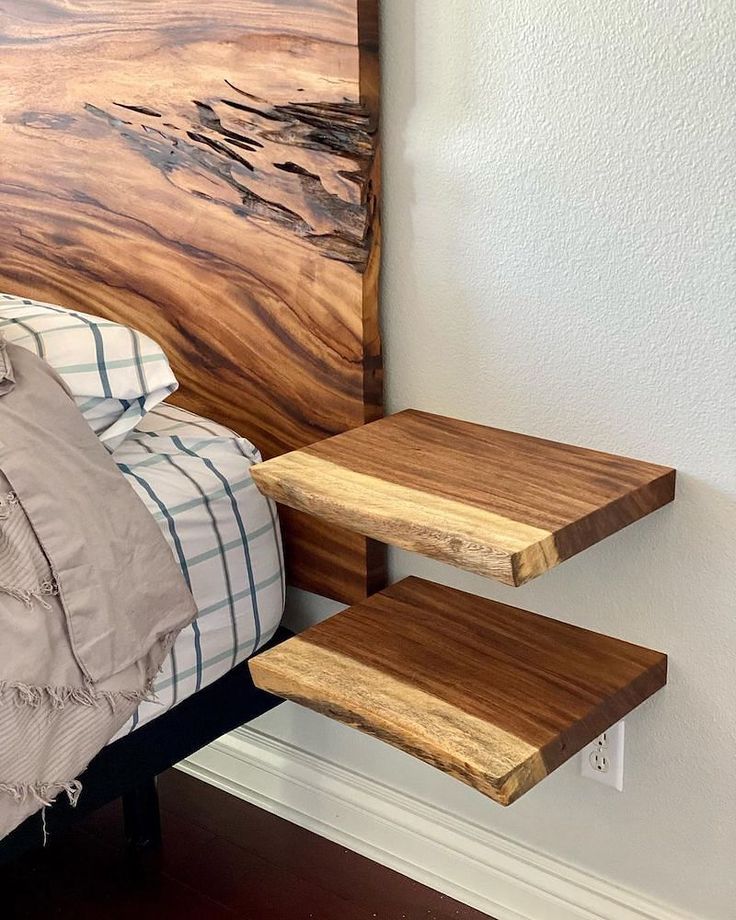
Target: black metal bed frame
column 128, row 768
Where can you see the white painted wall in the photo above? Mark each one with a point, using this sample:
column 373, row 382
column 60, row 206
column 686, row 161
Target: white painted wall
column 560, row 261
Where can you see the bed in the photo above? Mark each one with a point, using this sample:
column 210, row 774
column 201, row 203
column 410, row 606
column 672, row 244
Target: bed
column 214, row 181
column 193, row 476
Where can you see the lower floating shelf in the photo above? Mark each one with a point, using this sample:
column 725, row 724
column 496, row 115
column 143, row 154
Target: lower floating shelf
column 495, row 696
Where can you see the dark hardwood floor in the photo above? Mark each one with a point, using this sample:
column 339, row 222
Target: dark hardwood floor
column 222, row 859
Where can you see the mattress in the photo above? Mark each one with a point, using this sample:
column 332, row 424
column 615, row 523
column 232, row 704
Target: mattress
column 194, row 477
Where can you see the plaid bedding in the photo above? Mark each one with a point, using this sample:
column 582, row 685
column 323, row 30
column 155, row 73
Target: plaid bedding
column 115, row 373
column 194, row 477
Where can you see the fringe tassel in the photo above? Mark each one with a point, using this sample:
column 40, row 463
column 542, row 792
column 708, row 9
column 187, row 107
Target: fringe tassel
column 47, row 588
column 167, row 640
column 7, row 503
column 34, row 696
column 88, row 695
column 42, row 793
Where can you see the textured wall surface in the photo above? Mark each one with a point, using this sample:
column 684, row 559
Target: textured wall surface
column 560, row 261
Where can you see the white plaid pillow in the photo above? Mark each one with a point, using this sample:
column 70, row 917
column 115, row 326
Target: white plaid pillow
column 116, row 374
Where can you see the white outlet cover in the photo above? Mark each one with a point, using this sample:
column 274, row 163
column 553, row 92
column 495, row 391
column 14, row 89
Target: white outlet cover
column 603, row 759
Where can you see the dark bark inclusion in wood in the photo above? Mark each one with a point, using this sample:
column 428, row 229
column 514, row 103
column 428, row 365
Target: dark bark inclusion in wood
column 204, row 172
column 214, row 138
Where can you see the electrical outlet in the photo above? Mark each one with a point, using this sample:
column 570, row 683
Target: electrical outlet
column 603, row 759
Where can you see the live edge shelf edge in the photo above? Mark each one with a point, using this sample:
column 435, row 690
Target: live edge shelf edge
column 504, row 505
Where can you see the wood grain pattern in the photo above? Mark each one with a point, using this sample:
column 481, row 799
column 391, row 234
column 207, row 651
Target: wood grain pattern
column 210, row 174
column 494, row 502
column 495, row 696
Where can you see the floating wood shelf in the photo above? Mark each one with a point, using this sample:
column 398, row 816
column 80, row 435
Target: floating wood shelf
column 495, row 696
column 494, row 502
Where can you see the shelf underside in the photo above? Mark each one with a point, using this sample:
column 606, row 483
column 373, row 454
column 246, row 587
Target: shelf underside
column 495, row 696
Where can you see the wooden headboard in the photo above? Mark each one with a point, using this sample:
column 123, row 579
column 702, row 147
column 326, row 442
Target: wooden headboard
column 208, row 171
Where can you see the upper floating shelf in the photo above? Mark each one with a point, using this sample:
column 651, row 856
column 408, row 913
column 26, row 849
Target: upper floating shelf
column 494, row 502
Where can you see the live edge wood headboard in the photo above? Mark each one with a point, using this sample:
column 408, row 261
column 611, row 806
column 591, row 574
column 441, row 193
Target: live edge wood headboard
column 208, row 171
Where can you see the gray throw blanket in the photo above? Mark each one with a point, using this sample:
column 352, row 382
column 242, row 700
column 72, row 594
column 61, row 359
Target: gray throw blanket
column 91, row 599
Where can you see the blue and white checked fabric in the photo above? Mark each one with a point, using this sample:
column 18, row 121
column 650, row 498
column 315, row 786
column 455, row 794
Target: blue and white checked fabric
column 114, row 373
column 194, row 477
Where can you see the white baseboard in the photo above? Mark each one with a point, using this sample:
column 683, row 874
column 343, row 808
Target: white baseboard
column 504, row 879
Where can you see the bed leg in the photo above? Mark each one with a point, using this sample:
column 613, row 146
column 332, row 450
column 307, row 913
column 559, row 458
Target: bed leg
column 141, row 815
